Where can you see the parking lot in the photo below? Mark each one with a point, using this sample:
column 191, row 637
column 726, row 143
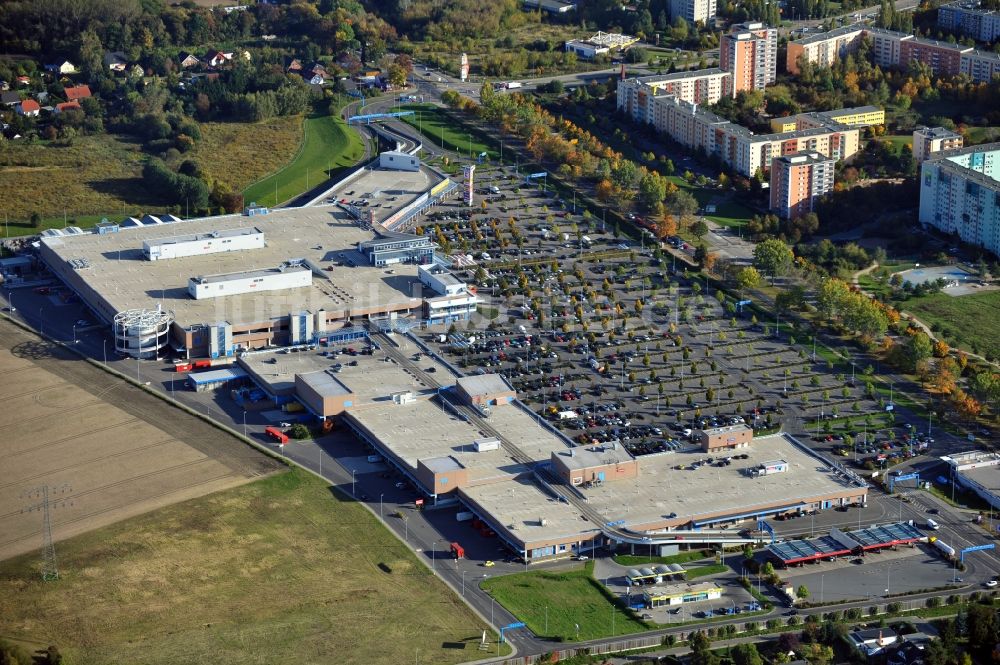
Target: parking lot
column 613, row 342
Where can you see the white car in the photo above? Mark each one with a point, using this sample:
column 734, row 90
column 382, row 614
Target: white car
column 992, row 583
column 582, row 557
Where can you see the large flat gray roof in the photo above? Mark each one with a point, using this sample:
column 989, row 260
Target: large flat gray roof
column 661, row 489
column 323, row 235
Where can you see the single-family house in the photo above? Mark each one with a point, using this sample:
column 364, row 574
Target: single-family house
column 9, row 98
column 187, row 60
column 77, row 92
column 67, row 106
column 218, row 58
column 293, row 65
column 64, row 67
column 872, row 641
column 115, row 61
column 316, row 79
column 29, row 107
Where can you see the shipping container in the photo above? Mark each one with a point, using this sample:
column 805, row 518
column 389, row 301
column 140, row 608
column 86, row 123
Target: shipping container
column 183, row 367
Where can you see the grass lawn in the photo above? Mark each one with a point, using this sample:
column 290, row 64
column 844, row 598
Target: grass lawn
column 572, row 597
column 683, row 557
column 730, row 213
column 977, row 135
column 328, row 146
column 880, row 287
column 968, row 322
column 701, row 571
column 898, row 141
column 432, row 122
column 276, row 571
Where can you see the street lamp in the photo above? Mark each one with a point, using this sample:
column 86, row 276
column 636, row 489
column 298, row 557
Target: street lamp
column 244, row 424
column 353, row 479
column 10, row 301
column 433, row 550
column 380, row 505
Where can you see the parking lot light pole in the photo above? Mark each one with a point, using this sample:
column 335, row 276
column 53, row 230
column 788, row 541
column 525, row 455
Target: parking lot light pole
column 353, row 479
column 433, row 550
column 244, row 424
column 380, row 505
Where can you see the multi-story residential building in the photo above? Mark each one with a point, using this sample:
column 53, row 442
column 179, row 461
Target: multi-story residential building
column 704, row 86
column 886, row 45
column 745, row 152
column 967, row 17
column 798, row 180
column 750, row 53
column 960, row 194
column 981, row 66
column 943, row 58
column 825, row 48
column 895, row 49
column 694, row 11
column 859, row 116
column 929, row 140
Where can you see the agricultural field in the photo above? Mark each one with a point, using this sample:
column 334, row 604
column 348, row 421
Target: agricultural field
column 111, row 450
column 278, row 571
column 328, row 147
column 563, row 600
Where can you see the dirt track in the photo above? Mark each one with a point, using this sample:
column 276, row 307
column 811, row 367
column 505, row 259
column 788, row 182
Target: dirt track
column 106, row 449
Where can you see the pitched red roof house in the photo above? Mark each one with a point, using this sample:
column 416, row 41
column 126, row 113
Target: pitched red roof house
column 29, row 107
column 66, row 106
column 77, row 92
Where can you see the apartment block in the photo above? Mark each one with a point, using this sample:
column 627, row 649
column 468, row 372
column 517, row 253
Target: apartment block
column 960, row 194
column 750, row 53
column 969, row 18
column 704, row 86
column 798, row 180
column 858, row 116
column 738, row 147
column 981, row 66
column 943, row 58
column 694, row 11
column 929, row 140
column 824, row 49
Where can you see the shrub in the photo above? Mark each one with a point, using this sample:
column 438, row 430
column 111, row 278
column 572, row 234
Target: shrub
column 299, row 431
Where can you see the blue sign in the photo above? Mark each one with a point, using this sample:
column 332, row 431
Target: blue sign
column 516, row 624
column 975, row 548
column 538, row 175
column 618, row 523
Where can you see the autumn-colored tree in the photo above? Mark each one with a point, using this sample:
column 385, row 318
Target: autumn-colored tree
column 604, row 190
column 940, row 349
column 945, row 375
column 709, row 261
column 666, row 226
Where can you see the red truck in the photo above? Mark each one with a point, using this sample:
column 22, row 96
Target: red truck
column 457, row 551
column 276, row 434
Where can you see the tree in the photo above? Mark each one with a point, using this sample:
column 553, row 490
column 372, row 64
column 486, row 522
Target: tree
column 701, row 649
column 35, row 220
column 299, row 431
column 746, row 654
column 666, row 226
column 773, row 257
column 652, row 191
column 748, row 278
column 984, row 630
column 802, row 591
column 699, row 229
